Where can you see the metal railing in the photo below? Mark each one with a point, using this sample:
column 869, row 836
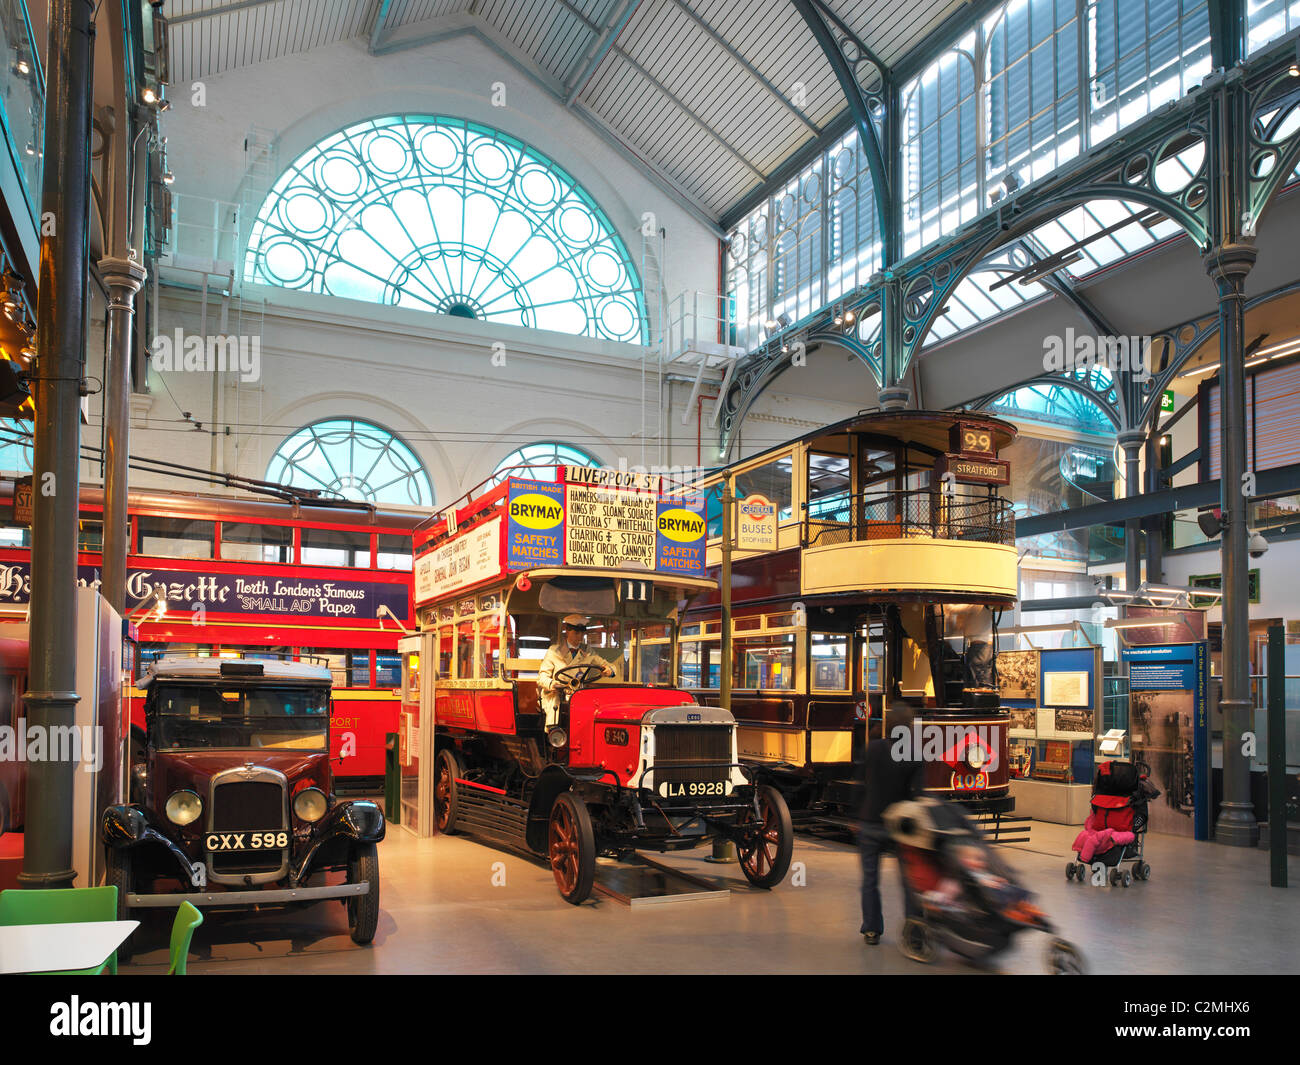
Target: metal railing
column 848, row 517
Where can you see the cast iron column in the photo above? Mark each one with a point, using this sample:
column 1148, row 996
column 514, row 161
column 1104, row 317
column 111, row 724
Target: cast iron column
column 1131, row 440
column 1153, row 526
column 1228, row 266
column 61, row 347
column 123, row 278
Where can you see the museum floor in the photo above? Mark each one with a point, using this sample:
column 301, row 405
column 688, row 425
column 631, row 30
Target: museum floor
column 1206, row 909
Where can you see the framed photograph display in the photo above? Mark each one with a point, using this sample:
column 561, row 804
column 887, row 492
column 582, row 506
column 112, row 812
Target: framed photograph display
column 1066, row 688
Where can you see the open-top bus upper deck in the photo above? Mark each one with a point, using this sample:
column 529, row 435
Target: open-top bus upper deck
column 597, row 523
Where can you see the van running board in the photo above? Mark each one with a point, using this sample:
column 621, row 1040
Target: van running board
column 485, row 813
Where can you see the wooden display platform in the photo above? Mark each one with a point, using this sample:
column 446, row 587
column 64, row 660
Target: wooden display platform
column 641, row 881
column 1046, row 800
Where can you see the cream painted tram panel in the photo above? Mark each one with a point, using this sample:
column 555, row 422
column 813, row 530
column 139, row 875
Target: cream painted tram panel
column 910, row 565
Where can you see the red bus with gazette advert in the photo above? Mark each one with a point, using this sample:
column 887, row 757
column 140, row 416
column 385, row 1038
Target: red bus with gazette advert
column 575, row 750
column 239, row 577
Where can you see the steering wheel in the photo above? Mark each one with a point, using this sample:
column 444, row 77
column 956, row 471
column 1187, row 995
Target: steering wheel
column 578, row 676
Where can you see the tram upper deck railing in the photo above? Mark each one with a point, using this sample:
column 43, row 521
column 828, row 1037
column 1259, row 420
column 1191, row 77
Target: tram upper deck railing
column 849, row 517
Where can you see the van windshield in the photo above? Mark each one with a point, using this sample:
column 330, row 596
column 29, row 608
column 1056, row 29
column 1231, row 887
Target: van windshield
column 288, row 717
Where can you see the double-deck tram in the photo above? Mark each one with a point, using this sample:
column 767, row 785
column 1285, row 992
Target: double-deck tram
column 887, row 559
column 254, row 577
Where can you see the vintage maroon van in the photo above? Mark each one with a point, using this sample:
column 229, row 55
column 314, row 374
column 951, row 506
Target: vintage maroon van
column 231, row 798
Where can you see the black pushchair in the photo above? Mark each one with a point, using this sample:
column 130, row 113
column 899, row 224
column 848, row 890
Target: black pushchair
column 967, row 899
column 1116, row 829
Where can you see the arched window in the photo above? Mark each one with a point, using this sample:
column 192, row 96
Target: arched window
column 448, row 216
column 1060, row 404
column 536, row 461
column 350, row 459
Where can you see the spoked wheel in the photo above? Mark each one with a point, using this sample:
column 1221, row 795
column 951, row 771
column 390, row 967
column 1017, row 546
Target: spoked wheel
column 916, row 942
column 1064, row 959
column 765, row 852
column 363, row 910
column 446, row 792
column 571, row 847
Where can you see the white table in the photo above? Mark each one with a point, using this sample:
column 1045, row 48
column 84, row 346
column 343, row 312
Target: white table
column 45, row 948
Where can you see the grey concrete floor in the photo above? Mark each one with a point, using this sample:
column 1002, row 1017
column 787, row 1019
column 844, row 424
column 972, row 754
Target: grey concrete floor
column 445, row 909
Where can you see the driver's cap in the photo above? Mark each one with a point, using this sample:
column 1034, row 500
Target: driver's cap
column 575, row 621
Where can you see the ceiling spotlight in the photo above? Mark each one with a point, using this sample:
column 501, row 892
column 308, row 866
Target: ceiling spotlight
column 168, row 177
column 150, row 97
column 848, row 317
column 30, row 149
column 782, row 319
column 23, row 67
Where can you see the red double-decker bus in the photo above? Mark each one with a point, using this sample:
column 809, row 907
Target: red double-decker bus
column 224, row 575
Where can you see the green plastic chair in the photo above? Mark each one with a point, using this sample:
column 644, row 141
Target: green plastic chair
column 62, row 906
column 188, row 918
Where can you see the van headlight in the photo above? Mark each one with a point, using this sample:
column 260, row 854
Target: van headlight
column 183, row 807
column 310, row 804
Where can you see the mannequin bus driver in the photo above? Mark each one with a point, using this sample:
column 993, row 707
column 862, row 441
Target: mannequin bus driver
column 572, row 650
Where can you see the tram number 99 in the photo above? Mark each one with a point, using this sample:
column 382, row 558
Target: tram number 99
column 977, row 440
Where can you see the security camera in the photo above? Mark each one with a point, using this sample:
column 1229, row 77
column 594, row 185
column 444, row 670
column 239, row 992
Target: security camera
column 1258, row 545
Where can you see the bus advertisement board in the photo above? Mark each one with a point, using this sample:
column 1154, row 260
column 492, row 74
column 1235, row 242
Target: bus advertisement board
column 679, row 537
column 463, row 560
column 290, row 593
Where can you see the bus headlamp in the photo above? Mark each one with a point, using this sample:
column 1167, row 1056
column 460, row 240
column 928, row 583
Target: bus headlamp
column 310, row 804
column 183, row 807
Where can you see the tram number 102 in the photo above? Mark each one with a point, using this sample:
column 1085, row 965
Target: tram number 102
column 677, row 789
column 970, row 782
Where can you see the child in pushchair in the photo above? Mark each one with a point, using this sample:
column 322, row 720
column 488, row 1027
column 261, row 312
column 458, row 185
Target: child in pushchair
column 966, row 898
column 1116, row 829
